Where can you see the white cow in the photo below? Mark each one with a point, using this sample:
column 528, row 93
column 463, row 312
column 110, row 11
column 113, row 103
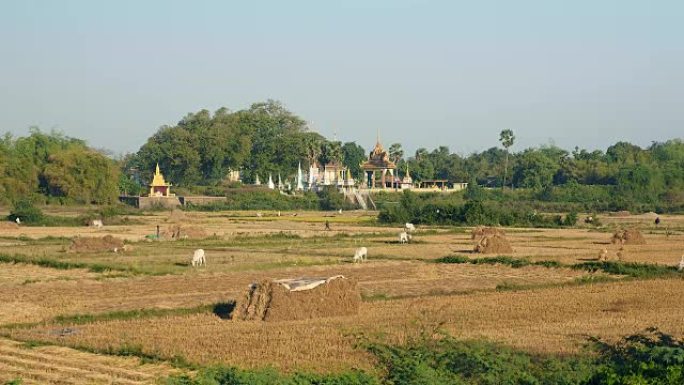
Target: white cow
column 361, row 254
column 97, row 223
column 681, row 264
column 410, row 227
column 18, row 220
column 198, row 258
column 259, row 215
column 403, row 237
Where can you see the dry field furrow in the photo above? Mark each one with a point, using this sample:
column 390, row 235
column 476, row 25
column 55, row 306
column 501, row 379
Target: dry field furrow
column 43, row 300
column 59, row 365
column 548, row 320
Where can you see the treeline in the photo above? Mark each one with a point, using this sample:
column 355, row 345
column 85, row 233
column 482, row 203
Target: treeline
column 653, row 176
column 197, row 154
column 264, row 139
column 51, row 167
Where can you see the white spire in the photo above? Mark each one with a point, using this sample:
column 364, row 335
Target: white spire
column 257, row 181
column 300, row 184
column 271, row 185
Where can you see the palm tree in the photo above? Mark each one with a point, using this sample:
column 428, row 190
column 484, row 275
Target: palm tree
column 507, row 139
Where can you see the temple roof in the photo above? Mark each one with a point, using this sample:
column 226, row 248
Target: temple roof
column 378, row 159
column 158, row 180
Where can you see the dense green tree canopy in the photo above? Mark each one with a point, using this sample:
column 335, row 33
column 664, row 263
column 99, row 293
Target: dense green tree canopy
column 54, row 166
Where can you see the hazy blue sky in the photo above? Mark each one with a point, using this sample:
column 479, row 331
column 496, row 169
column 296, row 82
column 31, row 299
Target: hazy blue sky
column 423, row 73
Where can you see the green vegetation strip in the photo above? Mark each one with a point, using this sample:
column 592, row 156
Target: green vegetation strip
column 630, row 269
column 62, row 265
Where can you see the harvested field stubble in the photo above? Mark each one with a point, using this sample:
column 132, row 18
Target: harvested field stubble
column 550, row 320
column 58, row 365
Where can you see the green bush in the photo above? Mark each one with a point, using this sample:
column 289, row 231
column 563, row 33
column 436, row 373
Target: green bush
column 221, row 375
column 26, row 211
column 649, row 358
column 636, row 270
column 449, row 361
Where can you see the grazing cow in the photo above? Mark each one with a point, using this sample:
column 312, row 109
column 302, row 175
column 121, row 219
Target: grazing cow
column 198, row 258
column 403, row 237
column 681, row 264
column 361, row 254
column 410, row 227
column 259, row 215
column 97, row 223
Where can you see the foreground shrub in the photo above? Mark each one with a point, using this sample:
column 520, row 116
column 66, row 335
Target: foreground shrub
column 648, row 358
column 221, row 375
column 26, row 211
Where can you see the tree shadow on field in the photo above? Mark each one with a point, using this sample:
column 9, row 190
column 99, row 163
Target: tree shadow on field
column 224, row 310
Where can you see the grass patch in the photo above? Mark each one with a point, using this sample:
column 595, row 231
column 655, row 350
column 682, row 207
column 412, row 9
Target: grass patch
column 500, row 260
column 631, row 269
column 62, row 265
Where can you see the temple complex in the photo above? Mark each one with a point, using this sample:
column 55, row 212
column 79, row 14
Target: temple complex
column 379, row 169
column 159, row 187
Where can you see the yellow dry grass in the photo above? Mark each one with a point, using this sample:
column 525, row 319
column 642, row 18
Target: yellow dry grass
column 555, row 320
column 402, row 290
column 60, row 365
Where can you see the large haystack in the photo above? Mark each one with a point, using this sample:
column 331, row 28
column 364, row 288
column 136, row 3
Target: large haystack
column 94, row 244
column 493, row 244
column 481, row 231
column 628, row 237
column 176, row 232
column 298, row 299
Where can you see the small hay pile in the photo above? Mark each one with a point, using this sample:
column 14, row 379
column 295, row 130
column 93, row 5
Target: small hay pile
column 299, row 299
column 176, row 216
column 493, row 244
column 481, row 231
column 106, row 243
column 628, row 237
column 176, row 232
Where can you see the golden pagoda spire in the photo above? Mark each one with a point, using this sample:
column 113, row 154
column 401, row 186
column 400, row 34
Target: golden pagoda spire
column 157, row 172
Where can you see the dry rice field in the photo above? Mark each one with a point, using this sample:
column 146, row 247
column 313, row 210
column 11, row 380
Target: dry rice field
column 536, row 308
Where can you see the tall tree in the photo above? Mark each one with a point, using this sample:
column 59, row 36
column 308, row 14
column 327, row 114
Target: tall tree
column 507, row 139
column 396, row 152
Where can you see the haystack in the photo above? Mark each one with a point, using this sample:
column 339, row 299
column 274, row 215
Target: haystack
column 628, row 237
column 176, row 216
column 106, row 243
column 298, row 299
column 493, row 244
column 176, row 232
column 481, row 231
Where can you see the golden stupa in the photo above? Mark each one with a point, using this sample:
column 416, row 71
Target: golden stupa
column 159, row 187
